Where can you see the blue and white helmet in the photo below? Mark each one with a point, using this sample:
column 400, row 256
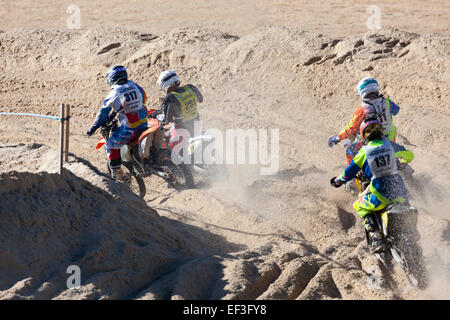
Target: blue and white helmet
column 166, row 79
column 366, row 86
column 116, row 74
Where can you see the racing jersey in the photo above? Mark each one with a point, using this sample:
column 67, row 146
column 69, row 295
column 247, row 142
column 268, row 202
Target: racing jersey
column 128, row 100
column 377, row 160
column 180, row 105
column 381, row 108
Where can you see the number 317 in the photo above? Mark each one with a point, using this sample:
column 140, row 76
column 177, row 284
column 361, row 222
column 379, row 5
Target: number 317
column 130, row 96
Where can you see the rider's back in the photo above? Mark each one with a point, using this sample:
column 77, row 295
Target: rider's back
column 129, row 100
column 380, row 165
column 180, row 105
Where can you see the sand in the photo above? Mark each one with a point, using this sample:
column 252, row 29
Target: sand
column 286, row 65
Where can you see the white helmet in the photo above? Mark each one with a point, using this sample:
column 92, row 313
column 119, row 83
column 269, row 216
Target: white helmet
column 166, row 79
column 366, row 86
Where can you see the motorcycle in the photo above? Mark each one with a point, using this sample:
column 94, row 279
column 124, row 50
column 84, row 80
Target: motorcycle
column 140, row 161
column 398, row 224
column 210, row 168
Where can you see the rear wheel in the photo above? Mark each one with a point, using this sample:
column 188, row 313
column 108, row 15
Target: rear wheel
column 180, row 176
column 135, row 183
column 412, row 263
column 209, row 173
column 400, row 258
column 405, row 247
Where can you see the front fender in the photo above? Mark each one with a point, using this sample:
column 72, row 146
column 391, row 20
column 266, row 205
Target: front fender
column 100, row 143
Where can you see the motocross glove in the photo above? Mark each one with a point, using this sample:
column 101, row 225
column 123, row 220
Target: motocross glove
column 161, row 118
column 333, row 140
column 335, row 182
column 91, row 131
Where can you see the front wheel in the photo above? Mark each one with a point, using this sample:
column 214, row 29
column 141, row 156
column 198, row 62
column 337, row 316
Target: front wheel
column 135, row 183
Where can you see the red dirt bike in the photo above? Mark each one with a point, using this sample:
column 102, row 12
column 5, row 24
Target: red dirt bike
column 139, row 163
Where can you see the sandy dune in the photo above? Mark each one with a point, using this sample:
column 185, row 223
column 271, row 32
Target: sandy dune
column 282, row 236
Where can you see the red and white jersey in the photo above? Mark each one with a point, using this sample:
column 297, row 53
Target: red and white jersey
column 128, row 100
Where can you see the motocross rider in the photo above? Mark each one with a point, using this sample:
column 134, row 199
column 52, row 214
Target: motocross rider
column 373, row 104
column 179, row 106
column 128, row 99
column 377, row 160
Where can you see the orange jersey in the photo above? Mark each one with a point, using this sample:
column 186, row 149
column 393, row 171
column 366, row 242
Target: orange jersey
column 353, row 127
column 382, row 108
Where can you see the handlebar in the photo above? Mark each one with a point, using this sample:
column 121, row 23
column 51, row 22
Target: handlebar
column 110, row 119
column 109, row 125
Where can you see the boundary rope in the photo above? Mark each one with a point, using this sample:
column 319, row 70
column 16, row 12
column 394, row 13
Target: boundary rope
column 34, row 115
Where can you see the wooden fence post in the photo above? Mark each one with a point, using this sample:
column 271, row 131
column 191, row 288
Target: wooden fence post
column 66, row 159
column 61, row 141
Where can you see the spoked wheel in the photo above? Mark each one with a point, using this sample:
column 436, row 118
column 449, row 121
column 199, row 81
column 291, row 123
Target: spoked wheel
column 209, row 173
column 135, row 183
column 400, row 258
column 180, row 176
column 394, row 253
column 384, row 258
column 415, row 262
column 409, row 257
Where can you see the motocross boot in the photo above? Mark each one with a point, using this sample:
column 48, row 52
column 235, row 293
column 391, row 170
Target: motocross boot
column 117, row 174
column 377, row 244
column 115, row 169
